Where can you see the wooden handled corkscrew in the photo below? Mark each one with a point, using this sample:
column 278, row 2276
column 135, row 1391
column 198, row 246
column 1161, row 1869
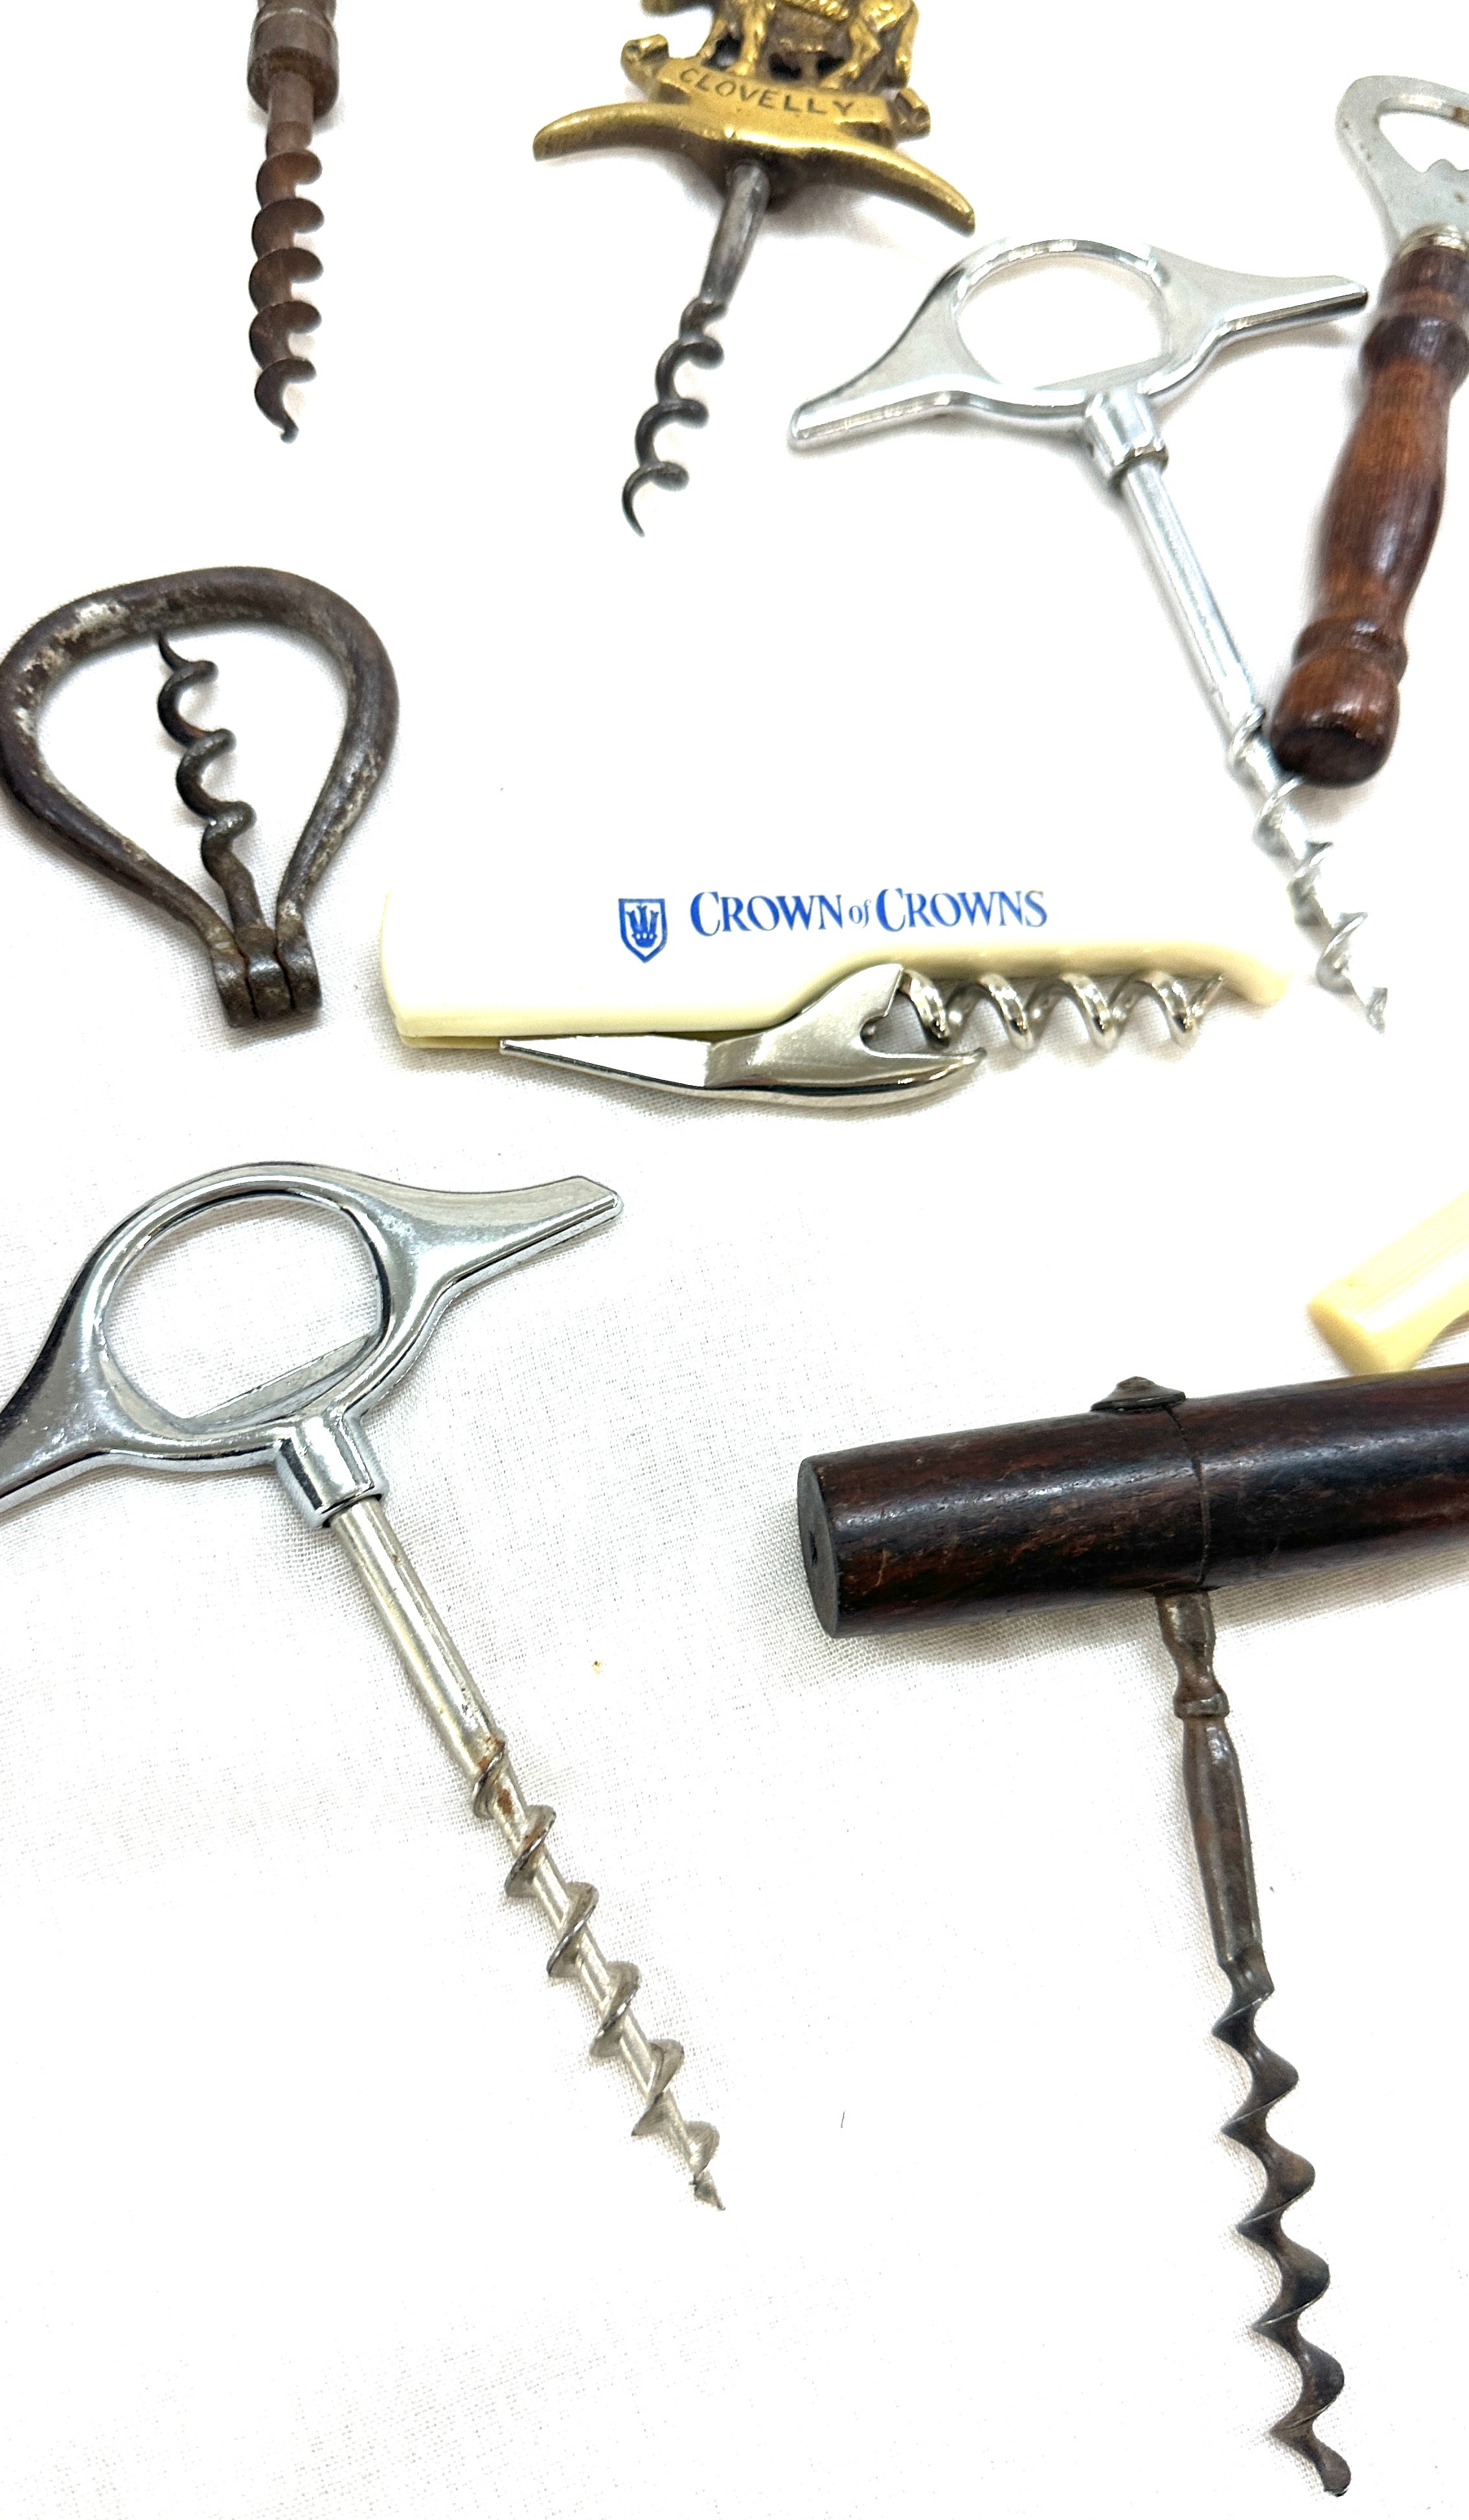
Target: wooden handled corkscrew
column 1337, row 717
column 1154, row 1493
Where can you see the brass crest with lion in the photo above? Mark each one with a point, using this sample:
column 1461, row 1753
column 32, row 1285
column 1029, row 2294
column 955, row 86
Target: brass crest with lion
column 812, row 90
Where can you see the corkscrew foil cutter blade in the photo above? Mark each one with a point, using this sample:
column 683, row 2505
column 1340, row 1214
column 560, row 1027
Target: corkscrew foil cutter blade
column 77, row 1410
column 931, row 373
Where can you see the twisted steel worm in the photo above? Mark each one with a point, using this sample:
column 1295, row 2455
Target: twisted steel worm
column 613, row 1985
column 1288, row 2176
column 1106, row 1008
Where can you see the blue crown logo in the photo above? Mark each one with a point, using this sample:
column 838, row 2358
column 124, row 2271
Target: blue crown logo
column 645, row 927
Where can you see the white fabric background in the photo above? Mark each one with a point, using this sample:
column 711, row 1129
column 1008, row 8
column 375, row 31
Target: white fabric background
column 312, row 2204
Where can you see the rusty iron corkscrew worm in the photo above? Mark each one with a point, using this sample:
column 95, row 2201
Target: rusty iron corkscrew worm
column 294, row 77
column 1153, row 1493
column 225, row 822
column 1215, row 1794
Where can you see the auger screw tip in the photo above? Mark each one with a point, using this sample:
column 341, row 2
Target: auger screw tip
column 294, row 76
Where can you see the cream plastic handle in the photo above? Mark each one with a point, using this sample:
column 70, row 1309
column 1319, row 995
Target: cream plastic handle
column 1381, row 1317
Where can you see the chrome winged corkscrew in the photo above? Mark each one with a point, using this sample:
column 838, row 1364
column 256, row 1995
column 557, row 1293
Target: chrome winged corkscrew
column 931, row 372
column 76, row 1410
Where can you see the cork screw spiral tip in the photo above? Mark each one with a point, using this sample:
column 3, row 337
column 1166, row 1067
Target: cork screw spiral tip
column 294, row 77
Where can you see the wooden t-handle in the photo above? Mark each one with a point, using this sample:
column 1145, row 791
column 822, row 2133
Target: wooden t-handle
column 1337, row 716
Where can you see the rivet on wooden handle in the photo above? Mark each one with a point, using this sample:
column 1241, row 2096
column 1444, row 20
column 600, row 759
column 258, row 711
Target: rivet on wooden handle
column 1382, row 1316
column 1336, row 719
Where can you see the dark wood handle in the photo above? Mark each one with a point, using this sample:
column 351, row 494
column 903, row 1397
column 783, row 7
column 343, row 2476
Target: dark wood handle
column 1337, row 716
column 1179, row 1496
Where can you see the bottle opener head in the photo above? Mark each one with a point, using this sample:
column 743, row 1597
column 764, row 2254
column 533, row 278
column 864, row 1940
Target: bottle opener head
column 77, row 1410
column 1427, row 203
column 931, row 370
column 822, row 1055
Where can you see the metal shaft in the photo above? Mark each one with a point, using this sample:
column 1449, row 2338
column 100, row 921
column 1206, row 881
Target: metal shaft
column 746, row 199
column 465, row 1726
column 1219, row 1822
column 1130, row 451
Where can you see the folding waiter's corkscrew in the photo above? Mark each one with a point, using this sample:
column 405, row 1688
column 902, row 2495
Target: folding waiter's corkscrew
column 931, row 372
column 781, row 92
column 76, row 1410
column 1153, row 1493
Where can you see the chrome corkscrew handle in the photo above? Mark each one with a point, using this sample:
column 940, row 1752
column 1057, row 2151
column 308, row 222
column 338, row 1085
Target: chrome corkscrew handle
column 77, row 1410
column 932, row 370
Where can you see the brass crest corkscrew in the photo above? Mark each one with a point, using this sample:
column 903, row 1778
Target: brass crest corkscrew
column 781, row 93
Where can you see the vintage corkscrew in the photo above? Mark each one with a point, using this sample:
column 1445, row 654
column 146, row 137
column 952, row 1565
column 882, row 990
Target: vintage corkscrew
column 1336, row 718
column 846, row 991
column 264, row 968
column 931, row 373
column 77, row 1410
column 294, row 77
column 1154, row 1493
column 781, row 93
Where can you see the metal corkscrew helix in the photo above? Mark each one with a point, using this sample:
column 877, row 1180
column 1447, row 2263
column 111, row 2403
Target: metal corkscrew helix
column 1156, row 1493
column 295, row 78
column 777, row 96
column 745, row 205
column 831, row 1052
column 225, row 821
column 1215, row 1794
column 76, row 1410
column 931, row 372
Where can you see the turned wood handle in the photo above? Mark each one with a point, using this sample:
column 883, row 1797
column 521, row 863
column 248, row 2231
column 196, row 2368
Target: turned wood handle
column 1171, row 1498
column 1337, row 716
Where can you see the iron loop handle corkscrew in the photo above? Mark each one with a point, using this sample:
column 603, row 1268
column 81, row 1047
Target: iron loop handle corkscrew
column 265, row 972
